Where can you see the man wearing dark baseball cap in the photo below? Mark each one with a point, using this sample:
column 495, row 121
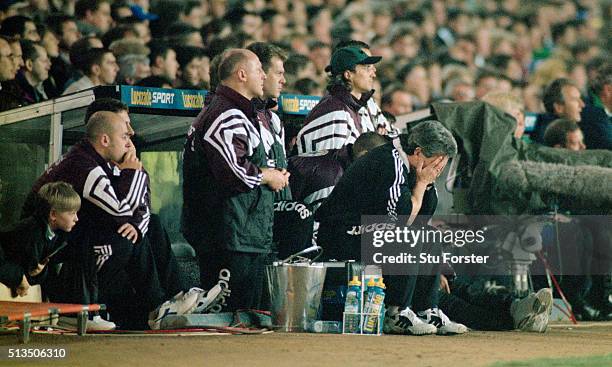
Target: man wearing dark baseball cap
column 347, row 58
column 335, row 123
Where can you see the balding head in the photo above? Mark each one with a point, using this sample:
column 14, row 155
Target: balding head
column 102, row 122
column 241, row 71
column 109, row 135
column 231, row 61
column 366, row 142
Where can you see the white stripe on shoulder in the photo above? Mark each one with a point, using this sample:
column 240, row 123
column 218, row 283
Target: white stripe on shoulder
column 394, row 190
column 330, row 131
column 220, row 135
column 100, row 192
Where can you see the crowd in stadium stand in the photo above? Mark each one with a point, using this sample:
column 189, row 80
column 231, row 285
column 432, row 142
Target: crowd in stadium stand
column 548, row 58
column 432, row 50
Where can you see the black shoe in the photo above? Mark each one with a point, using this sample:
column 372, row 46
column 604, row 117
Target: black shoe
column 586, row 312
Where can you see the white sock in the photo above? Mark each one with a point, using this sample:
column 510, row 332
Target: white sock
column 392, row 310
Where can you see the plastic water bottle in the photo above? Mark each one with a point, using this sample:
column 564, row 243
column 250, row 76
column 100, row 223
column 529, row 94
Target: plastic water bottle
column 373, row 307
column 325, row 326
column 352, row 306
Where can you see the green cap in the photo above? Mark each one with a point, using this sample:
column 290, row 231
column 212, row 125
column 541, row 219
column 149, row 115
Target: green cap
column 346, row 58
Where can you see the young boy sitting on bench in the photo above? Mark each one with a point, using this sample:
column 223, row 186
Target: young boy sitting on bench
column 27, row 246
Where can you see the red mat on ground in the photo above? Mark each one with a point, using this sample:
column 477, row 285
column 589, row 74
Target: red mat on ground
column 15, row 311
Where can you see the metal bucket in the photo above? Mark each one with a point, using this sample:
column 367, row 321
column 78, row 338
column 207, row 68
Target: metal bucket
column 295, row 292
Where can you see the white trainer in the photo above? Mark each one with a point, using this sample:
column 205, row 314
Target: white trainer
column 435, row 316
column 524, row 311
column 406, row 322
column 97, row 323
column 207, row 300
column 540, row 323
column 182, row 303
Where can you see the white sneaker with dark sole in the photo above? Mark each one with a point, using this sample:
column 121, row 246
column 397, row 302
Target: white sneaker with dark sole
column 524, row 311
column 406, row 322
column 437, row 318
column 97, row 323
column 182, row 303
column 207, row 300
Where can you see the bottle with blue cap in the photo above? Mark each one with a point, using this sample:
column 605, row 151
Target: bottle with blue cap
column 373, row 306
column 352, row 306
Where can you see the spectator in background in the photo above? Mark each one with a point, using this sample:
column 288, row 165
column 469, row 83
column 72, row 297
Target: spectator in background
column 320, row 54
column 140, row 10
column 163, row 62
column 120, row 9
column 307, row 86
column 564, row 133
column 320, row 24
column 564, row 35
column 181, row 34
column 99, row 67
column 12, row 93
column 204, row 70
column 485, row 82
column 9, row 9
column 140, row 27
column 298, row 67
column 20, row 27
column 155, row 82
column 94, row 16
column 192, row 13
column 404, row 44
column 459, row 90
column 414, row 78
column 190, row 61
column 562, row 100
column 17, row 53
column 128, row 46
column 397, row 101
column 274, row 26
column 65, row 29
column 121, row 32
column 49, row 40
column 51, row 44
column 596, row 123
column 510, row 104
column 251, row 24
column 133, row 68
column 508, row 66
column 462, row 52
column 35, row 71
column 77, row 55
column 8, row 98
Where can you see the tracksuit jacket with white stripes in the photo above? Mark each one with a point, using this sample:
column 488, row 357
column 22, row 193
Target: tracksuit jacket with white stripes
column 335, row 122
column 105, row 205
column 380, row 183
column 225, row 206
column 314, row 175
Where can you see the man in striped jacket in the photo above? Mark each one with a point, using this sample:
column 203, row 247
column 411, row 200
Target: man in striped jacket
column 336, row 121
column 272, row 60
column 98, row 249
column 228, row 188
column 395, row 180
